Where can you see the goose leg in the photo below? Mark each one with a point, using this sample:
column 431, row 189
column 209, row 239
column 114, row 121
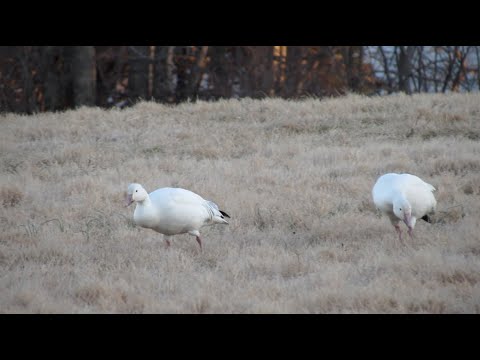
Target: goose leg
column 196, row 233
column 167, row 241
column 399, row 232
column 410, row 232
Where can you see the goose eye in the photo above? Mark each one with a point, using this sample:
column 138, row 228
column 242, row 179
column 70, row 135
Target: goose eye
column 400, row 209
column 137, row 191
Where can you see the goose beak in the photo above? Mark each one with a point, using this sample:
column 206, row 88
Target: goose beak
column 407, row 219
column 128, row 200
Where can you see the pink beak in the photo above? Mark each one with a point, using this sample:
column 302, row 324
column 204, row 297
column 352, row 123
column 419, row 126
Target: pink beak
column 128, row 200
column 407, row 219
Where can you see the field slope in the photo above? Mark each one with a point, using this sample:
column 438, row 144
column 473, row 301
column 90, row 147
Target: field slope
column 296, row 178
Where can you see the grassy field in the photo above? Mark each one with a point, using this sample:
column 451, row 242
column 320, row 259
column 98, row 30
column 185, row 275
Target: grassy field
column 296, row 178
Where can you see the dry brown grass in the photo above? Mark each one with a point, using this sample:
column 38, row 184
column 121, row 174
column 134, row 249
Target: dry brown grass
column 296, row 177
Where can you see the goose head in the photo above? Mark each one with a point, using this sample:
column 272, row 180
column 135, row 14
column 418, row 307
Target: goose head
column 135, row 192
column 403, row 210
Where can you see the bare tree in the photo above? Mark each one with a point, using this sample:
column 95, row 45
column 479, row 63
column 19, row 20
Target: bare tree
column 182, row 72
column 83, row 75
column 138, row 60
column 294, row 71
column 34, row 78
column 264, row 69
column 322, row 73
column 112, row 75
column 54, row 99
column 220, row 71
column 197, row 71
column 163, row 73
column 425, row 68
column 461, row 56
column 386, row 69
column 242, row 79
column 25, row 58
column 477, row 53
column 280, row 65
column 404, row 65
column 353, row 60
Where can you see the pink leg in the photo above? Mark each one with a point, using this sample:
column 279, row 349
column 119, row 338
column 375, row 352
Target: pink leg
column 199, row 241
column 399, row 231
column 168, row 243
column 410, row 232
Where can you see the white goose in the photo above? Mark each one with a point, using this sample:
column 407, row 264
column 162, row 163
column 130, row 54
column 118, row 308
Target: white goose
column 404, row 197
column 172, row 211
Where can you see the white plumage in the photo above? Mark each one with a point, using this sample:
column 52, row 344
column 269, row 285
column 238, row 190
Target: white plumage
column 172, row 211
column 404, row 197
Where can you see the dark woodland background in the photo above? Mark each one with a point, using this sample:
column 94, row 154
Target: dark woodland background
column 52, row 78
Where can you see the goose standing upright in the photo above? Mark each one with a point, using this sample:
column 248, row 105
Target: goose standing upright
column 404, row 197
column 172, row 211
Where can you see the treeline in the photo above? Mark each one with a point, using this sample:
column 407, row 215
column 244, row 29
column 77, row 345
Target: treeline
column 50, row 78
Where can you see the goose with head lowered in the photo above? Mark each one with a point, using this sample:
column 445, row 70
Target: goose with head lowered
column 404, row 197
column 172, row 211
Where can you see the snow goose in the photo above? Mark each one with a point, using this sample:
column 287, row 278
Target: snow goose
column 404, row 197
column 172, row 211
